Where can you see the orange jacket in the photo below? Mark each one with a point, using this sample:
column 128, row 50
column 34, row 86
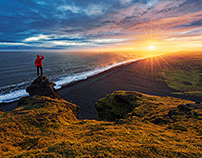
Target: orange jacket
column 38, row 61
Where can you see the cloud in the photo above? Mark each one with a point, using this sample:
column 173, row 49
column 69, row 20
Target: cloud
column 12, row 44
column 36, row 38
column 73, row 9
column 90, row 10
column 94, row 10
column 151, row 3
column 41, row 2
column 110, row 41
column 67, row 43
column 125, row 2
column 77, row 23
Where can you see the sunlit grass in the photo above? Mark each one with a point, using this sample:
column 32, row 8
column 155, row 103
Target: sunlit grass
column 45, row 127
column 183, row 80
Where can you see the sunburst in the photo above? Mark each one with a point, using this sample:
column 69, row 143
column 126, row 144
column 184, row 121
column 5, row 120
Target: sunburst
column 151, row 47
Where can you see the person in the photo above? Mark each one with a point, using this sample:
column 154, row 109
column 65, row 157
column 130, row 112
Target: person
column 38, row 63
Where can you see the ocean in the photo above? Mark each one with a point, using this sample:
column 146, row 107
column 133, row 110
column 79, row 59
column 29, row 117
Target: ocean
column 17, row 70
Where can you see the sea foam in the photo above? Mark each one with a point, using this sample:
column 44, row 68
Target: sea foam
column 16, row 95
column 13, row 96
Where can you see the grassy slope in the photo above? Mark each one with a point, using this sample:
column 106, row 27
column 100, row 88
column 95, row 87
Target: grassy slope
column 185, row 73
column 48, row 127
column 180, row 71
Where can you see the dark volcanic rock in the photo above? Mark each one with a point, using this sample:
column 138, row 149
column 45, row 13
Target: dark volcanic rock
column 43, row 87
column 197, row 102
column 184, row 108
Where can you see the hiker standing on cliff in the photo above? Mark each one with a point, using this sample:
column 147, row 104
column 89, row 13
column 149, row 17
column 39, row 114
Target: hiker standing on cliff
column 38, row 63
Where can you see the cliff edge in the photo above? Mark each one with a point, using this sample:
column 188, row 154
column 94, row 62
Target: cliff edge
column 41, row 86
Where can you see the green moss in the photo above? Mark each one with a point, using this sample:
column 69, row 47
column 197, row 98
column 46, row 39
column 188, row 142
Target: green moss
column 182, row 80
column 183, row 74
column 118, row 105
column 158, row 110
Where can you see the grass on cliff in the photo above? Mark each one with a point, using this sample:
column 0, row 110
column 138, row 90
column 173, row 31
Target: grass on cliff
column 185, row 74
column 167, row 112
column 181, row 72
column 45, row 127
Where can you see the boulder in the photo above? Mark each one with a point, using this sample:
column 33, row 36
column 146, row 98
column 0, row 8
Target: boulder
column 43, row 87
column 197, row 102
column 117, row 105
column 184, row 108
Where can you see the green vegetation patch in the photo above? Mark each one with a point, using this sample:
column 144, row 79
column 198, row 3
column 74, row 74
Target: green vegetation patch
column 184, row 81
column 184, row 74
column 166, row 111
column 124, row 102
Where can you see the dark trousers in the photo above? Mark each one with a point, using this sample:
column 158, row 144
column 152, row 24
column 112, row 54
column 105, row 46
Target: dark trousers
column 38, row 70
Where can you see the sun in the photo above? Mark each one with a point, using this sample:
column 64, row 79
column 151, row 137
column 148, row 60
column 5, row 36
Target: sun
column 151, row 47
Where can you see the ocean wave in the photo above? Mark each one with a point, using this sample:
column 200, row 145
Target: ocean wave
column 14, row 85
column 16, row 95
column 13, row 96
column 84, row 75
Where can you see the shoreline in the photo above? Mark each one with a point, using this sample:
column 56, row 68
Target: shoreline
column 78, row 78
column 8, row 106
column 86, row 92
column 81, row 80
column 96, row 75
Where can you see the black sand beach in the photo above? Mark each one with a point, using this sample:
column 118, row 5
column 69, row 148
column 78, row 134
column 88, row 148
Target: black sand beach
column 85, row 94
column 137, row 76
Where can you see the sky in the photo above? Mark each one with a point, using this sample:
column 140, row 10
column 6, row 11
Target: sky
column 101, row 25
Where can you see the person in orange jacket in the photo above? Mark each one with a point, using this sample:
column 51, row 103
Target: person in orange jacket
column 38, row 63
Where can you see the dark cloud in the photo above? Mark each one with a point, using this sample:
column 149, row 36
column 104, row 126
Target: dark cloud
column 29, row 23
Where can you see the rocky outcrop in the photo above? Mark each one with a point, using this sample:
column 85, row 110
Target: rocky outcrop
column 43, row 94
column 43, row 87
column 47, row 102
column 127, row 105
column 178, row 113
column 117, row 105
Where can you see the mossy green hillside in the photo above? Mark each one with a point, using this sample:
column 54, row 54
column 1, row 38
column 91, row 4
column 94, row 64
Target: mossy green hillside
column 168, row 112
column 45, row 127
column 184, row 73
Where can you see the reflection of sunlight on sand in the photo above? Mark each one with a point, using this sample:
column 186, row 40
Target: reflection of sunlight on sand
column 166, row 61
column 145, row 64
column 152, row 66
column 153, row 63
column 158, row 62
